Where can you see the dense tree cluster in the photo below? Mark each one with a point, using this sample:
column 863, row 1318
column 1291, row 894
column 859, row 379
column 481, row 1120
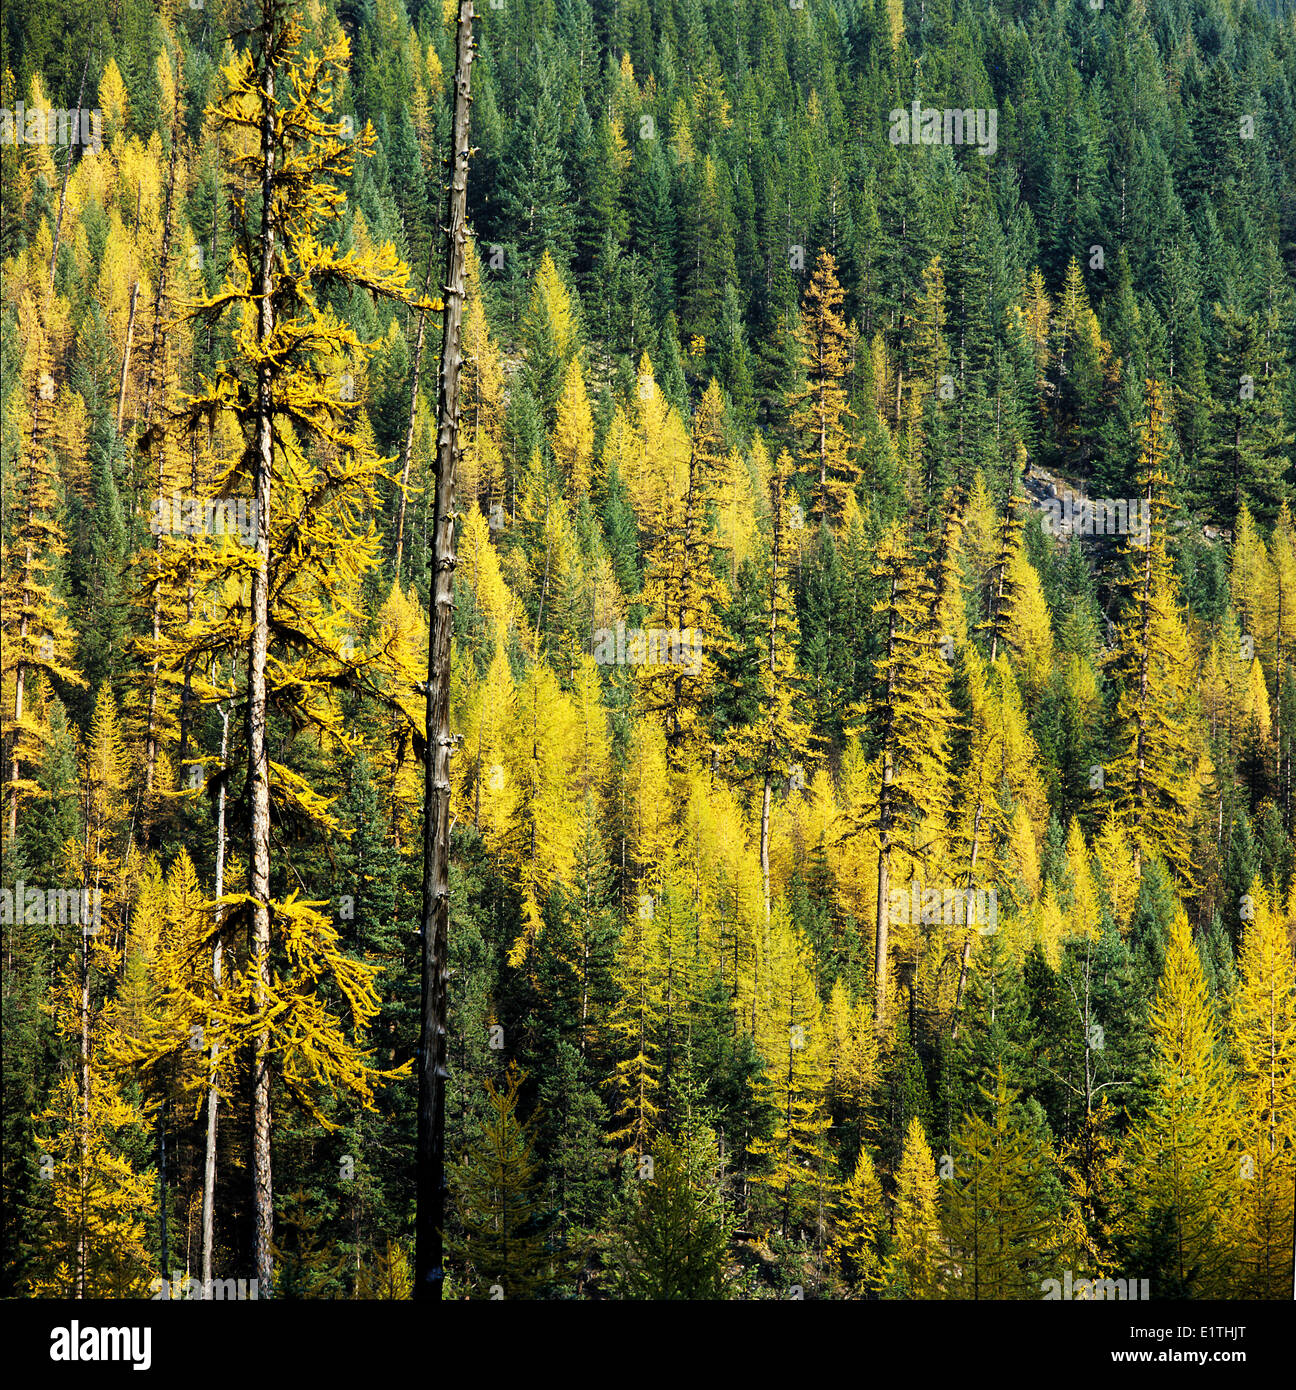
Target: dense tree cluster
column 863, row 881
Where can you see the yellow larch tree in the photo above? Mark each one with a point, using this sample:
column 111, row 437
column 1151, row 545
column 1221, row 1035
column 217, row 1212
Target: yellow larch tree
column 1115, row 856
column 793, row 1041
column 677, row 669
column 573, row 436
column 912, row 1270
column 38, row 642
column 859, row 1221
column 481, row 403
column 1262, row 1033
column 820, row 412
column 312, row 475
column 1086, row 910
column 1182, row 1184
column 649, row 445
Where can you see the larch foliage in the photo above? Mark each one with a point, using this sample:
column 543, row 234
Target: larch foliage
column 820, row 411
column 790, row 1033
column 573, row 436
column 860, row 1220
column 1184, row 1173
column 683, row 633
column 913, row 1268
column 293, row 382
column 1263, row 1044
column 38, row 641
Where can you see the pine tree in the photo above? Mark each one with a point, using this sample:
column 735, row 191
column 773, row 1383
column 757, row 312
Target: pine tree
column 497, row 1196
column 672, row 1241
column 1248, row 437
column 996, row 1213
column 1154, row 775
column 778, row 739
column 1078, row 359
column 911, row 714
column 635, row 1027
column 534, row 190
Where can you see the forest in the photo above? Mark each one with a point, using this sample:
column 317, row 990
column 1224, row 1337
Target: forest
column 871, row 671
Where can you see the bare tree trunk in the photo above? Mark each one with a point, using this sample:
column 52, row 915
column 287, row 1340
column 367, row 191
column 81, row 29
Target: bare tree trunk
column 213, row 1095
column 157, row 348
column 884, row 828
column 430, row 1171
column 258, row 752
column 83, row 1087
column 162, row 1186
column 967, row 943
column 126, row 354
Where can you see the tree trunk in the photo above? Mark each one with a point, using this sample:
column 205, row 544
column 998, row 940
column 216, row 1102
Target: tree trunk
column 213, row 1095
column 162, row 1188
column 884, row 827
column 84, row 1098
column 258, row 752
column 967, row 943
column 430, row 1170
column 156, row 349
column 126, row 354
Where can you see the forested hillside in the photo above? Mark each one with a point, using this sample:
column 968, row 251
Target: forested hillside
column 873, row 682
